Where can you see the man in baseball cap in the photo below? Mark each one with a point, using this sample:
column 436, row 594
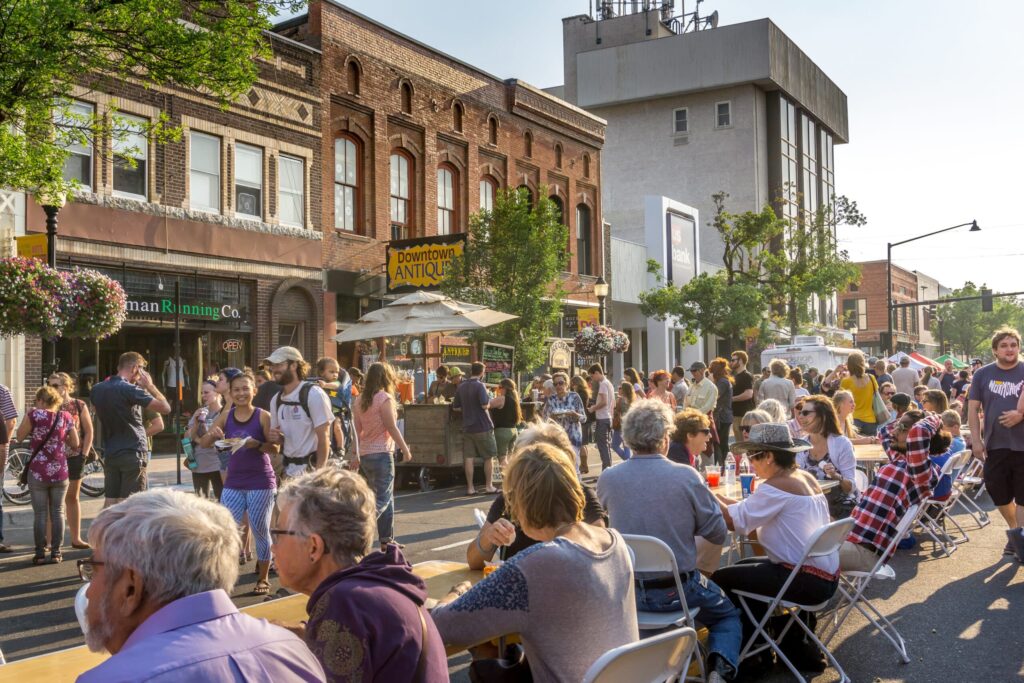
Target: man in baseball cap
column 300, row 416
column 284, row 354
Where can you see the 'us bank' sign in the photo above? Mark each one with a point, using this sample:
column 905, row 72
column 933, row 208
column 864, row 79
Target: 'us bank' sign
column 163, row 307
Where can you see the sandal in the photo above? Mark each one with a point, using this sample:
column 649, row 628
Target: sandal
column 81, row 545
column 40, row 558
column 262, row 588
column 56, row 557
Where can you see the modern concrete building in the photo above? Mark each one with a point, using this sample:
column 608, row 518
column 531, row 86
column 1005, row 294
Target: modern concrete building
column 739, row 109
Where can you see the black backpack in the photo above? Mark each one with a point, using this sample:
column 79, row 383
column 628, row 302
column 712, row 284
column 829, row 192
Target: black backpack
column 303, row 399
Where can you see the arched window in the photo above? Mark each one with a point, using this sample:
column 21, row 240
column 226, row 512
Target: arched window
column 558, row 155
column 559, row 208
column 529, row 194
column 457, row 114
column 401, row 195
column 528, row 144
column 447, row 200
column 584, row 240
column 586, row 165
column 346, row 184
column 352, row 76
column 492, row 130
column 488, row 191
column 406, row 98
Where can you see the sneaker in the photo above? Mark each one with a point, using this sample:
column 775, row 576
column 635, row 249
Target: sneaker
column 1008, row 548
column 907, row 543
column 1015, row 539
column 715, row 677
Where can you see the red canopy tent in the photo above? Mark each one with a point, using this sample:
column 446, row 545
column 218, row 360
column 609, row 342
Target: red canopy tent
column 925, row 359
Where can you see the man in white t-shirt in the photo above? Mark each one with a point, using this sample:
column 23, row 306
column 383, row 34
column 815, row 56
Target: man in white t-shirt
column 300, row 416
column 905, row 377
column 604, row 404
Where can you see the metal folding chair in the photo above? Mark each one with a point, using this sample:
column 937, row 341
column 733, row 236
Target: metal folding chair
column 969, row 479
column 663, row 657
column 852, row 585
column 652, row 555
column 824, row 542
column 931, row 520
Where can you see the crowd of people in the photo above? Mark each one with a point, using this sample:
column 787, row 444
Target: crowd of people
column 164, row 563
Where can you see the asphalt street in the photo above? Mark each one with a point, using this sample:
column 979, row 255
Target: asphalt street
column 957, row 614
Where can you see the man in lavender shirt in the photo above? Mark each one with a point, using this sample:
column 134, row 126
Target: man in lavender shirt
column 163, row 565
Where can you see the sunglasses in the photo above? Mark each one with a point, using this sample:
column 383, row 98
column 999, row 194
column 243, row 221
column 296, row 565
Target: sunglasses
column 756, row 455
column 745, row 430
column 808, row 413
column 888, row 393
column 57, row 386
column 705, row 430
column 559, row 384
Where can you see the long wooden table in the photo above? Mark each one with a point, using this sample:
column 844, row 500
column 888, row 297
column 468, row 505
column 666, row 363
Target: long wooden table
column 870, row 454
column 735, row 490
column 66, row 665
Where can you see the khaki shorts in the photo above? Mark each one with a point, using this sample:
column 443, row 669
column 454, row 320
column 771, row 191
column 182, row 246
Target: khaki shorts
column 479, row 445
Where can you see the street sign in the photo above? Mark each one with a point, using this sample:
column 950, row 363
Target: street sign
column 32, row 246
column 585, row 317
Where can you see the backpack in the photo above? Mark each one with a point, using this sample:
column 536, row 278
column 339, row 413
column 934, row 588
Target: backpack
column 303, row 398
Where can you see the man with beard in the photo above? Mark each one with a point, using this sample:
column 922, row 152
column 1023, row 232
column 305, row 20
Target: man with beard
column 163, row 566
column 300, row 415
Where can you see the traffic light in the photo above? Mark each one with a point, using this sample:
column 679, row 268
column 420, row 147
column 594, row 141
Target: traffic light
column 986, row 300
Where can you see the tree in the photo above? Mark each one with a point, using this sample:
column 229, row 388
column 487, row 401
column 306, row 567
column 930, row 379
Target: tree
column 513, row 261
column 48, row 48
column 966, row 328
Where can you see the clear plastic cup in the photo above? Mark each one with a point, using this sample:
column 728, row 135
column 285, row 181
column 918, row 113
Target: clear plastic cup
column 714, row 475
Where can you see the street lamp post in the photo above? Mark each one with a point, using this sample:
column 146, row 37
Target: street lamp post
column 52, row 203
column 888, row 271
column 601, row 289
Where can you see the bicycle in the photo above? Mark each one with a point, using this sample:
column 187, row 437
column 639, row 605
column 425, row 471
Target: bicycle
column 14, row 492
column 92, row 474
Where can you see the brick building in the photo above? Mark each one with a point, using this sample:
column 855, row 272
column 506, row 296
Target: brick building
column 415, row 141
column 864, row 304
column 231, row 214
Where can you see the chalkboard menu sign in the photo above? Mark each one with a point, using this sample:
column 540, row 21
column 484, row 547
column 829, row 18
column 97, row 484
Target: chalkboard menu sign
column 497, row 359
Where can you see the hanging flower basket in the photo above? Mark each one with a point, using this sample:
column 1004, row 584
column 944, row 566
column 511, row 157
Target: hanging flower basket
column 621, row 342
column 31, row 296
column 598, row 340
column 94, row 306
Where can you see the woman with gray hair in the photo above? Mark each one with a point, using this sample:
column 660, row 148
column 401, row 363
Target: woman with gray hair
column 163, row 565
column 365, row 608
column 776, row 411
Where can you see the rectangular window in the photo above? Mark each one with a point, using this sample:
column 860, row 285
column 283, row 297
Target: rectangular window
column 78, row 165
column 345, row 184
column 680, row 122
column 204, row 172
column 291, row 190
column 248, row 181
column 131, row 156
column 723, row 114
column 855, row 312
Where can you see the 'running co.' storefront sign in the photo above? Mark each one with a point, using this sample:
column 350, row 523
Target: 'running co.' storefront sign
column 163, row 307
column 421, row 263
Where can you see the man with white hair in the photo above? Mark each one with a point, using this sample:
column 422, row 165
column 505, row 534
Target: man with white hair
column 778, row 386
column 677, row 508
column 163, row 565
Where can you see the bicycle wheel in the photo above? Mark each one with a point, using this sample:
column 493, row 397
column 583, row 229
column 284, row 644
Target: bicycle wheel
column 13, row 491
column 93, row 477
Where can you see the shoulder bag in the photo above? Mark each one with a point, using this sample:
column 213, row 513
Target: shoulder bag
column 878, row 404
column 23, row 477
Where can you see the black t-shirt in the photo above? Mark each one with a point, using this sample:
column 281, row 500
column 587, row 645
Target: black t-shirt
column 743, row 381
column 959, row 386
column 263, row 395
column 592, row 511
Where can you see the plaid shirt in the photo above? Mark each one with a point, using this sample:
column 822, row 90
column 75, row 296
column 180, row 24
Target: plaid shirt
column 887, row 438
column 897, row 486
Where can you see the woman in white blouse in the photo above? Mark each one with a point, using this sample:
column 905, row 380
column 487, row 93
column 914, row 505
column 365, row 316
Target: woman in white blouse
column 785, row 510
column 831, row 454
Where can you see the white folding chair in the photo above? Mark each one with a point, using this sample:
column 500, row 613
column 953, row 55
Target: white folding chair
column 825, row 541
column 969, row 479
column 851, row 592
column 652, row 555
column 658, row 659
column 931, row 520
column 861, row 481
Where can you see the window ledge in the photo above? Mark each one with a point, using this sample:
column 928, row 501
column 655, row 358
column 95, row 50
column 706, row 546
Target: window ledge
column 354, row 236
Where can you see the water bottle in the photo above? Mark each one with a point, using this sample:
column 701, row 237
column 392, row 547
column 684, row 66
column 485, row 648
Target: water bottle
column 730, row 469
column 745, row 465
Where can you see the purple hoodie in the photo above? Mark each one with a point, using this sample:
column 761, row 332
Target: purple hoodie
column 363, row 623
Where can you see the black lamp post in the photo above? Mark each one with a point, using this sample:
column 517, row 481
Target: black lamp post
column 888, row 270
column 601, row 290
column 52, row 204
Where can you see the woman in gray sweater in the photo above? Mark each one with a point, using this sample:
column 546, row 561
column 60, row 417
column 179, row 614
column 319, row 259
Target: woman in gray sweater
column 569, row 597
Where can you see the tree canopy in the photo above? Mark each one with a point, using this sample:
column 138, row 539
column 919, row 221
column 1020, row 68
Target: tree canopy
column 966, row 329
column 49, row 48
column 513, row 262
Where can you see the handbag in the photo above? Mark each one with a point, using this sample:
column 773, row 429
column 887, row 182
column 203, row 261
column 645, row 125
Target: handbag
column 23, row 477
column 878, row 405
column 512, row 668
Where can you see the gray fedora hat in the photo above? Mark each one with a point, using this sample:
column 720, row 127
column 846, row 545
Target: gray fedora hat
column 771, row 436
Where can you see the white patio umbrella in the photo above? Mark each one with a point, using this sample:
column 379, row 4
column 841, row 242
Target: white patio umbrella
column 422, row 313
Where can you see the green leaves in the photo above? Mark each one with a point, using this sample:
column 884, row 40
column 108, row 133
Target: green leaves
column 966, row 328
column 50, row 47
column 512, row 263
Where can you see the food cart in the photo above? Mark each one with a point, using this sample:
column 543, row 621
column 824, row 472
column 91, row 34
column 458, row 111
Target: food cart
column 434, row 436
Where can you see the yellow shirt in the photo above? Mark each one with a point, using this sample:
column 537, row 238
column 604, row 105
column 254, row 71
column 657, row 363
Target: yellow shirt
column 862, row 397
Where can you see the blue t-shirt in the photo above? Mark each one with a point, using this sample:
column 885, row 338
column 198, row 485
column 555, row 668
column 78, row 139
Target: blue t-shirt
column 119, row 405
column 999, row 390
column 945, row 484
column 472, row 398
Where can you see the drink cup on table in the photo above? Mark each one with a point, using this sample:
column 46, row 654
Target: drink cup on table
column 714, row 475
column 746, row 484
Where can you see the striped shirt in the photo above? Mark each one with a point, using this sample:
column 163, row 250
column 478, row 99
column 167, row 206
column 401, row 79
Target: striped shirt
column 7, row 409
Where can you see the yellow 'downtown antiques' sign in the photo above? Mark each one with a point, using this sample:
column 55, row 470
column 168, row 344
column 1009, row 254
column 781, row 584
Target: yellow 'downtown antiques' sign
column 421, row 263
column 585, row 317
column 32, row 246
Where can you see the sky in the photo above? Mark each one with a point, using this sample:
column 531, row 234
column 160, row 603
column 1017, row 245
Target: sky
column 934, row 95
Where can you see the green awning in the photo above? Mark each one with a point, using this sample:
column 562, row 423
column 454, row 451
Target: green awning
column 958, row 364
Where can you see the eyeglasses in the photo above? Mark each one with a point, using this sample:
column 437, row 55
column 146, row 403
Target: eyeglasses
column 87, row 569
column 288, row 532
column 745, row 429
column 705, row 430
column 889, row 393
column 756, row 455
column 57, row 386
column 559, row 384
column 808, row 413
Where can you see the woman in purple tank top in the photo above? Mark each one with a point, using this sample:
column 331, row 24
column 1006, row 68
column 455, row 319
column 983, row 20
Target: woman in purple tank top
column 250, row 485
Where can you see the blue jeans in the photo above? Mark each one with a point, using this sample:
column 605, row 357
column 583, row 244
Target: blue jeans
column 602, row 434
column 379, row 470
column 725, row 630
column 866, row 428
column 619, row 446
